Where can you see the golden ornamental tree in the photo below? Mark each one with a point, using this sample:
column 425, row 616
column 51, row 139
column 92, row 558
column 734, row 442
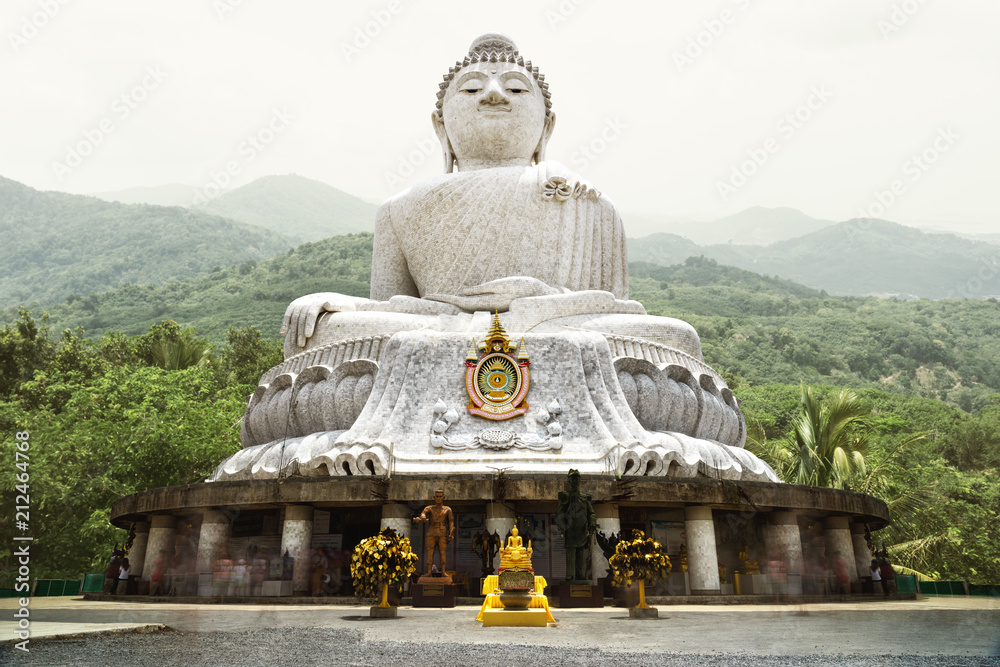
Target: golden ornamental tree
column 380, row 561
column 639, row 559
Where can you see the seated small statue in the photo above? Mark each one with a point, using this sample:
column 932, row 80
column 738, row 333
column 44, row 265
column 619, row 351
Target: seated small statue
column 515, row 554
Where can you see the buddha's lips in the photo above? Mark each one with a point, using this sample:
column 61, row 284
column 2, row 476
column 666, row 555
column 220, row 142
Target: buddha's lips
column 494, row 109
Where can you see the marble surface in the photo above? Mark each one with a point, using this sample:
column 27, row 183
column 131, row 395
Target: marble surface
column 376, row 386
column 414, row 419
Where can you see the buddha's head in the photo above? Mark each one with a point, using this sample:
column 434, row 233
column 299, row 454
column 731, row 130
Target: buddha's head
column 493, row 108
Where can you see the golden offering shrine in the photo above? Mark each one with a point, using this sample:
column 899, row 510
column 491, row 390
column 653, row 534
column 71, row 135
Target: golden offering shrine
column 515, row 596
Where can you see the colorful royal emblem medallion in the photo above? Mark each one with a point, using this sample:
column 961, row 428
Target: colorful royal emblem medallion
column 497, row 376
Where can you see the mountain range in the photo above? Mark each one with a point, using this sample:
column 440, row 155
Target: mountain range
column 56, row 245
column 300, row 209
column 853, row 258
column 753, row 226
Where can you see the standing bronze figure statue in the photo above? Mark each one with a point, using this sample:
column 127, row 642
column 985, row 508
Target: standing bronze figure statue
column 440, row 532
column 486, row 545
column 577, row 521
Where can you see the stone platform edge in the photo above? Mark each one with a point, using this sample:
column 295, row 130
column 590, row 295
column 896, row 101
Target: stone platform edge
column 465, row 601
column 476, row 488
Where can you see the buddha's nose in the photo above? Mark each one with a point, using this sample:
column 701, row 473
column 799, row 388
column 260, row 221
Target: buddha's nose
column 494, row 94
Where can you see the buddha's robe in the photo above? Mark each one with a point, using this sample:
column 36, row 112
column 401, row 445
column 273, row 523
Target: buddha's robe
column 458, row 231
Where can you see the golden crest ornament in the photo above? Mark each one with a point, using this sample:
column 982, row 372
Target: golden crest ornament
column 497, row 376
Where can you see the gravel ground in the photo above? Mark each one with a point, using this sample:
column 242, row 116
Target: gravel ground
column 327, row 646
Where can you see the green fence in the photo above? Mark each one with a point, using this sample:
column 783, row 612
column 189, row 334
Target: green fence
column 906, row 583
column 55, row 587
column 984, row 591
column 942, row 588
column 93, row 583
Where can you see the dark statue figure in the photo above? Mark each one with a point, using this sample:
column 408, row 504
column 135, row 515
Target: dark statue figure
column 607, row 543
column 577, row 521
column 487, row 545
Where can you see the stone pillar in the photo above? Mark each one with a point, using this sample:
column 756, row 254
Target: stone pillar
column 161, row 538
column 398, row 517
column 784, row 537
column 608, row 523
column 862, row 556
column 499, row 520
column 838, row 538
column 703, row 558
column 215, row 532
column 296, row 538
column 137, row 555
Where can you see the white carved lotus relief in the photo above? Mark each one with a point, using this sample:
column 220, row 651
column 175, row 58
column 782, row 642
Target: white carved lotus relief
column 498, row 438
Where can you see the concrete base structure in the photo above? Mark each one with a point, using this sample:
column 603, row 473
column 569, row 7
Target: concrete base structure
column 398, row 517
column 785, row 538
column 161, row 538
column 703, row 557
column 838, row 540
column 137, row 556
column 215, row 532
column 608, row 523
column 703, row 509
column 862, row 556
column 500, row 520
column 296, row 538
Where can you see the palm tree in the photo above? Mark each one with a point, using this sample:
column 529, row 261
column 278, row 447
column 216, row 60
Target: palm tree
column 175, row 355
column 829, row 447
column 828, row 443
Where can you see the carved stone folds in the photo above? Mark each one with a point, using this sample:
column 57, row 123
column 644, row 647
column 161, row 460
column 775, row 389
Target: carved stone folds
column 670, row 397
column 317, row 399
column 602, row 404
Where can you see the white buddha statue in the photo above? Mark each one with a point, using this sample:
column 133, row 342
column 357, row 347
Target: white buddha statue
column 501, row 224
column 503, row 241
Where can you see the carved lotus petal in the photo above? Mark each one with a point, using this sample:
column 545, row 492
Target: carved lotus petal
column 497, row 438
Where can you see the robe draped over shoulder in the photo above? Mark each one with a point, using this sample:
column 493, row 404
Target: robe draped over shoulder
column 461, row 230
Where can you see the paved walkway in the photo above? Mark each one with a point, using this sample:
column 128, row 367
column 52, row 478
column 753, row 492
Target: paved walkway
column 931, row 626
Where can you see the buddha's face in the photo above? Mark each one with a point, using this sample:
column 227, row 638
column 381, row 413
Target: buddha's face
column 493, row 113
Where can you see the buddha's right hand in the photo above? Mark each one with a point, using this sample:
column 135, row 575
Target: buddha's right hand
column 300, row 318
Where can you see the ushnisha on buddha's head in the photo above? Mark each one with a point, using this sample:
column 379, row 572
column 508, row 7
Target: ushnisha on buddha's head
column 493, row 109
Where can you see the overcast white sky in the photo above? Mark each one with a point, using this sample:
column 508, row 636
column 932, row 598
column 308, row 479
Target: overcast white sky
column 663, row 135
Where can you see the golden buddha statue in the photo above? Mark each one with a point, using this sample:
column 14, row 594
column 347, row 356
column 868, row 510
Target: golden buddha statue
column 750, row 566
column 515, row 554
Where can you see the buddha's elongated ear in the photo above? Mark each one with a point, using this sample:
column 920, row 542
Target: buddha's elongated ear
column 442, row 135
column 539, row 154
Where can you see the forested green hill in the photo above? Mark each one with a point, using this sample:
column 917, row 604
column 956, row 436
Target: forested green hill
column 760, row 328
column 57, row 245
column 854, row 258
column 765, row 332
column 106, row 414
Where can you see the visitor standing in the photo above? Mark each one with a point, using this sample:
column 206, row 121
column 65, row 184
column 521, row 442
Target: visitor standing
column 888, row 576
column 876, row 577
column 122, row 582
column 111, row 575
